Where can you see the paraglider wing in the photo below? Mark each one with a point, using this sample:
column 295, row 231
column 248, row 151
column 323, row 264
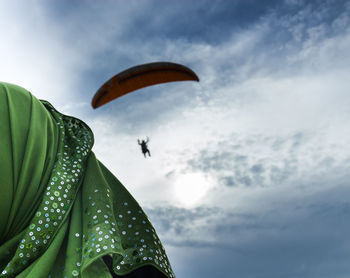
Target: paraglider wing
column 139, row 77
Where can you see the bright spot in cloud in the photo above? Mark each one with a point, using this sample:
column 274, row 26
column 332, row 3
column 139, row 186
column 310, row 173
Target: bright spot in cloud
column 190, row 188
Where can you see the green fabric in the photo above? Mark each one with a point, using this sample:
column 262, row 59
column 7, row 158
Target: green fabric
column 61, row 210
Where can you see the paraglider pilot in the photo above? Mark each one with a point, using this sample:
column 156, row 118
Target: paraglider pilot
column 144, row 147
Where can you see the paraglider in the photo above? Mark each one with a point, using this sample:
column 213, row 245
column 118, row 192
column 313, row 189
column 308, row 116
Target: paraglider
column 144, row 147
column 139, row 77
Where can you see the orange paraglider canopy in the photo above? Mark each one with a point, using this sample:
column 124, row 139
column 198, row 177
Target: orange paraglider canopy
column 139, row 77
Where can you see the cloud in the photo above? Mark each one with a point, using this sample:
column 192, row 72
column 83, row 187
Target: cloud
column 263, row 115
column 259, row 160
column 304, row 234
column 267, row 122
column 202, row 226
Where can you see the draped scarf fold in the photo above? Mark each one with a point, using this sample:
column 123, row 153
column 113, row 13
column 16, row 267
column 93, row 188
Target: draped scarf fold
column 62, row 210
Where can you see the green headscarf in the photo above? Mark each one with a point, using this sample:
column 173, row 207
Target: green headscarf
column 61, row 210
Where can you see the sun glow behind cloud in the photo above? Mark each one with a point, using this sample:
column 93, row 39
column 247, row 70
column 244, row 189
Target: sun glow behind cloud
column 190, row 188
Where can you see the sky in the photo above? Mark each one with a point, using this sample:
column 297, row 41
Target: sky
column 249, row 174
